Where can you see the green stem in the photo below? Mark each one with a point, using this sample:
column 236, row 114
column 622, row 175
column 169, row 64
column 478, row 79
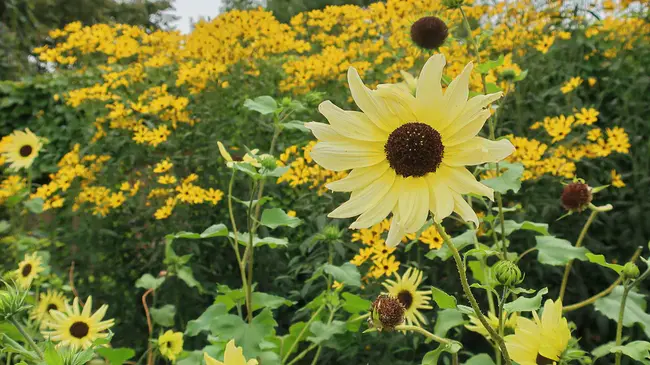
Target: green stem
column 242, row 266
column 27, row 337
column 619, row 325
column 454, row 358
column 502, row 222
column 302, row 333
column 567, row 268
column 468, row 292
column 425, row 333
column 302, row 354
column 313, row 362
column 501, row 314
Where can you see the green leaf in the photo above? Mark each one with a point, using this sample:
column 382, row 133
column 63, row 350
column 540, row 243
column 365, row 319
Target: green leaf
column 511, row 226
column 164, row 316
column 354, row 304
column 477, row 271
column 431, row 357
column 448, row 319
column 289, row 339
column 638, row 350
column 202, row 324
column 322, row 332
column 603, row 350
column 480, row 359
column 523, row 304
column 116, row 356
column 491, row 87
column 249, row 336
column 509, row 180
column 296, row 125
column 263, row 300
column 216, row 230
column 147, row 281
column 521, row 76
column 262, row 104
column 52, row 357
column 556, row 251
column 35, row 205
column 347, row 273
column 4, row 226
column 277, row 217
column 600, row 260
column 460, row 242
column 442, row 299
column 272, row 242
column 185, row 274
column 485, row 67
column 635, row 308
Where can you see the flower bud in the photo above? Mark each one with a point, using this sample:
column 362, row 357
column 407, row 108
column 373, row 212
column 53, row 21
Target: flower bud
column 507, row 273
column 576, row 197
column 630, row 271
column 429, row 32
column 331, row 233
column 12, row 301
column 508, row 74
column 453, row 4
column 386, row 313
column 268, row 162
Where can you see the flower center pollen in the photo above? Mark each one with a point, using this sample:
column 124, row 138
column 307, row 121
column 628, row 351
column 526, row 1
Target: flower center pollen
column 79, row 329
column 27, row 269
column 414, row 149
column 52, row 306
column 406, row 298
column 25, row 151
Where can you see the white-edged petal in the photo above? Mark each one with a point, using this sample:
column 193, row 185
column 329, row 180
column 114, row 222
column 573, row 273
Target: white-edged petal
column 359, row 178
column 413, row 204
column 378, row 212
column 395, row 232
column 441, row 202
column 463, row 130
column 324, row 132
column 369, row 103
column 339, row 156
column 476, row 151
column 462, row 181
column 353, row 125
column 464, row 209
column 456, row 96
column 366, row 198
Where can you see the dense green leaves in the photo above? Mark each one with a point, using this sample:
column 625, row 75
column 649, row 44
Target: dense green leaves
column 346, row 273
column 116, row 356
column 511, row 226
column 442, row 299
column 523, row 304
column 277, row 217
column 635, row 308
column 638, row 350
column 322, row 332
column 509, row 180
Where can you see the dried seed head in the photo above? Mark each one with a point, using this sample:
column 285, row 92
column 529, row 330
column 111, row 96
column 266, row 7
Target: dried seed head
column 576, row 197
column 386, row 313
column 429, row 32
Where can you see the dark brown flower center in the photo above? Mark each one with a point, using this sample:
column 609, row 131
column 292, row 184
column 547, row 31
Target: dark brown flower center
column 27, row 269
column 576, row 196
column 26, row 150
column 414, row 149
column 429, row 32
column 406, row 298
column 52, row 306
column 541, row 360
column 79, row 329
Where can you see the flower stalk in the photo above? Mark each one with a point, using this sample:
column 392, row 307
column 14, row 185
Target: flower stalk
column 621, row 313
column 28, row 338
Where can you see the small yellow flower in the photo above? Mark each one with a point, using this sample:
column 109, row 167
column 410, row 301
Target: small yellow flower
column 170, row 344
column 52, row 300
column 21, row 149
column 167, row 179
column 571, row 85
column 594, row 134
column 232, row 356
column 28, row 270
column 163, row 166
column 587, row 116
column 591, row 81
column 617, row 180
column 291, row 213
column 337, row 285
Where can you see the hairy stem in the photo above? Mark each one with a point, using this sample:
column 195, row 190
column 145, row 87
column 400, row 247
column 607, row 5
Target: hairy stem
column 27, row 337
column 619, row 325
column 567, row 268
column 425, row 333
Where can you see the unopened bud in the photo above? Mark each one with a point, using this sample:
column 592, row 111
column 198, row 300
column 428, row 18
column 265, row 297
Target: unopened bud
column 453, row 4
column 508, row 75
column 268, row 162
column 507, row 273
column 630, row 271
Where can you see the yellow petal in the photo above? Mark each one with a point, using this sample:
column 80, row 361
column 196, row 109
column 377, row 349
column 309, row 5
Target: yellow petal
column 429, row 91
column 413, row 204
column 211, row 361
column 464, row 210
column 462, row 181
column 359, row 178
column 370, row 104
column 441, row 202
column 353, row 125
column 378, row 212
column 462, row 131
column 226, row 156
column 339, row 156
column 366, row 198
column 402, row 104
column 324, row 132
column 456, row 96
column 476, row 151
column 396, row 231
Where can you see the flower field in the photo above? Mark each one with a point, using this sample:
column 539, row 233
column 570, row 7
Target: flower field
column 409, row 182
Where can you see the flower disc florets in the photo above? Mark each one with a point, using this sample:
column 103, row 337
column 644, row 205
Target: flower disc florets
column 429, row 32
column 576, row 197
column 386, row 313
column 414, row 149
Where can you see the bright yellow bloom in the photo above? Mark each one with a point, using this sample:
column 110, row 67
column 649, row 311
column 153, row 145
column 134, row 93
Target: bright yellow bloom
column 232, row 356
column 408, row 154
column 475, row 325
column 534, row 339
column 78, row 328
column 545, row 44
column 163, row 166
column 170, row 344
column 405, row 289
column 21, row 149
column 571, row 85
column 52, row 300
column 28, row 270
column 385, row 266
column 167, row 179
column 594, row 134
column 248, row 158
column 587, row 116
column 591, row 81
column 617, row 180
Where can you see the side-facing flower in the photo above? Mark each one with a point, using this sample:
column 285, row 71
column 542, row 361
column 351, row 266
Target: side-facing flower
column 248, row 158
column 78, row 328
column 52, row 300
column 405, row 289
column 28, row 269
column 22, row 149
column 233, row 356
column 170, row 344
column 408, row 153
column 540, row 341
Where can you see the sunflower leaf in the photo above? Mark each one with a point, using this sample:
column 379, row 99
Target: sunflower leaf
column 116, row 356
column 323, row 332
column 276, row 217
column 523, row 304
column 354, row 304
column 35, row 205
column 461, row 241
column 448, row 319
column 147, row 281
column 509, row 179
column 511, row 226
column 638, row 350
column 556, row 251
column 480, row 359
column 346, row 273
column 164, row 315
column 262, row 104
column 442, row 299
column 635, row 308
column 600, row 260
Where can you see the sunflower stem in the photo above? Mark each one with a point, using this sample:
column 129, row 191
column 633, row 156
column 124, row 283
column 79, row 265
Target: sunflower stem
column 468, row 292
column 235, row 246
column 567, row 268
column 425, row 333
column 619, row 325
column 27, row 337
column 302, row 333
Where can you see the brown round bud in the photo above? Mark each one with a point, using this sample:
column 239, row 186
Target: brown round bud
column 429, row 32
column 386, row 313
column 576, row 197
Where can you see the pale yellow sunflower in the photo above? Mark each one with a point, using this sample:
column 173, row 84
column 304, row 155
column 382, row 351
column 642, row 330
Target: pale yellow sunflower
column 233, row 356
column 78, row 328
column 52, row 300
column 405, row 289
column 170, row 344
column 408, row 153
column 540, row 341
column 22, row 149
column 509, row 324
column 28, row 270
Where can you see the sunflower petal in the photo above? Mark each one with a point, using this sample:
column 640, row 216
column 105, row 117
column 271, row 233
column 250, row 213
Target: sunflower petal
column 364, row 199
column 369, row 103
column 339, row 156
column 324, row 132
column 464, row 209
column 396, row 231
column 351, row 124
column 429, row 91
column 441, row 202
column 414, row 204
column 456, row 96
column 359, row 178
column 476, row 151
column 378, row 212
column 464, row 181
column 461, row 131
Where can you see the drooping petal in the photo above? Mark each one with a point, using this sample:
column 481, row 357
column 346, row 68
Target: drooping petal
column 464, row 209
column 429, row 91
column 369, row 103
column 463, row 182
column 350, row 124
column 456, row 96
column 441, row 202
column 364, row 199
column 324, row 132
column 476, row 151
column 359, row 178
column 413, row 204
column 339, row 156
column 396, row 231
column 462, row 131
column 378, row 212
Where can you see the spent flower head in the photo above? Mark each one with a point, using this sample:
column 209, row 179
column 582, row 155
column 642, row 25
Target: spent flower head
column 386, row 313
column 429, row 32
column 576, row 196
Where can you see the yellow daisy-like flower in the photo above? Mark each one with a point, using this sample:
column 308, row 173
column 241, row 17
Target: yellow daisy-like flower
column 22, row 149
column 407, row 153
column 248, row 158
column 28, row 270
column 78, row 328
column 540, row 340
column 170, row 344
column 52, row 300
column 233, row 356
column 405, row 289
column 475, row 325
column 617, row 180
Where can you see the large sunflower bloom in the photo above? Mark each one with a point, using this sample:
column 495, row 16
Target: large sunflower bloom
column 405, row 289
column 233, row 356
column 22, row 149
column 540, row 341
column 28, row 270
column 78, row 328
column 407, row 153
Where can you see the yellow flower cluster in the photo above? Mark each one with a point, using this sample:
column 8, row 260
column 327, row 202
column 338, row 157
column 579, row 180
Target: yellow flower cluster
column 11, row 186
column 304, row 171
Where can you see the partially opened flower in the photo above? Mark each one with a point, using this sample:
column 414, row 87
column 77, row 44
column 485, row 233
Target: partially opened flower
column 408, row 153
column 233, row 356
